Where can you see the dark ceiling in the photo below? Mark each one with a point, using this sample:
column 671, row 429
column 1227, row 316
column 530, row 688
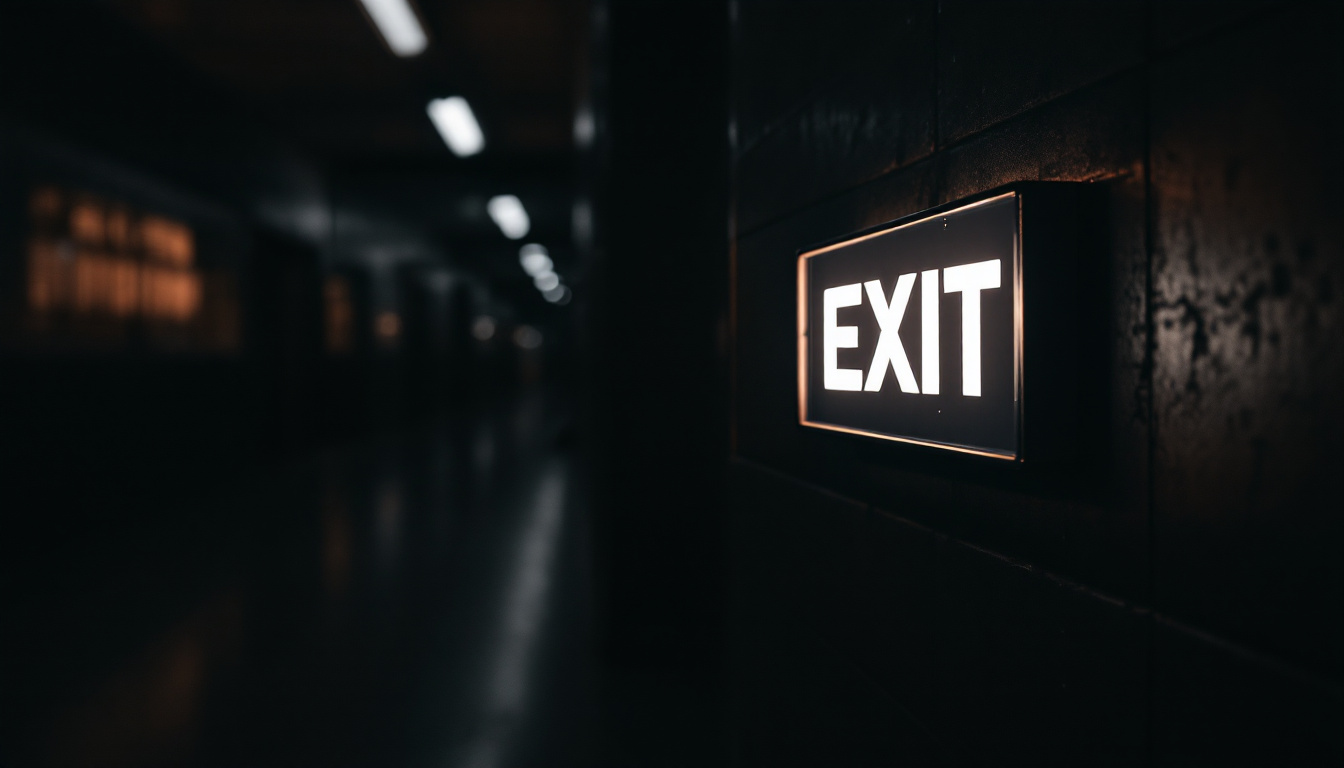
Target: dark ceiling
column 320, row 68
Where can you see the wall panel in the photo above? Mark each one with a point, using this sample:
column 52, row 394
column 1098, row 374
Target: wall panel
column 1249, row 355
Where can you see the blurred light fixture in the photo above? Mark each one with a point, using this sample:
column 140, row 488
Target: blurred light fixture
column 457, row 125
column 399, row 26
column 527, row 337
column 581, row 219
column 507, row 212
column 535, row 259
column 484, row 328
column 388, row 326
column 585, row 127
column 546, row 281
column 557, row 295
column 439, row 282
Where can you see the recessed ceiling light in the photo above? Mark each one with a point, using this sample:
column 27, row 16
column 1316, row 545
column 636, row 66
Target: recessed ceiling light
column 508, row 214
column 457, row 125
column 557, row 295
column 399, row 26
column 527, row 337
column 534, row 259
column 546, row 281
column 484, row 328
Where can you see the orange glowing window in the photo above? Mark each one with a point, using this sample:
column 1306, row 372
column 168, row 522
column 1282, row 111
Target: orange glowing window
column 45, row 204
column 119, row 228
column 93, row 263
column 167, row 241
column 169, row 294
column 340, row 315
column 388, row 326
column 87, row 223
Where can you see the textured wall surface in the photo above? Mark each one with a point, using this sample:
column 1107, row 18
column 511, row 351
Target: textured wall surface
column 1185, row 602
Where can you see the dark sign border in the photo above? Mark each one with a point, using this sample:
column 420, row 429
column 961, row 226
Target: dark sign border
column 881, row 229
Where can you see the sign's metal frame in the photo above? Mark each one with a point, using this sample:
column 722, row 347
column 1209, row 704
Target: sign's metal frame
column 805, row 254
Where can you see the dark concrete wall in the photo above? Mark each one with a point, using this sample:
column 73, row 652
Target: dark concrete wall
column 1185, row 606
column 654, row 370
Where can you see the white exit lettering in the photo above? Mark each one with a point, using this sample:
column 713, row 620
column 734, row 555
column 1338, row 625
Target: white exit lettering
column 967, row 279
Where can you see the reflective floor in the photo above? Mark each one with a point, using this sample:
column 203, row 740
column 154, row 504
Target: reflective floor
column 418, row 600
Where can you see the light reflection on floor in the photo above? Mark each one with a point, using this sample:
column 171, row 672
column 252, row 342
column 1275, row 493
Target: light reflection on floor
column 417, row 600
column 523, row 610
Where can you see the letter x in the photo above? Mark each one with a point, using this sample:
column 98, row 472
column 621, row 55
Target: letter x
column 889, row 349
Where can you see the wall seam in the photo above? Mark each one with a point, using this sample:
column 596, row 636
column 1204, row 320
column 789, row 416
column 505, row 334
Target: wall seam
column 1150, row 57
column 734, row 190
column 1146, row 380
column 937, row 14
column 936, row 156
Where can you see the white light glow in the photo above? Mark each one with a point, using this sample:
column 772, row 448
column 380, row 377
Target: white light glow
column 585, row 127
column 457, row 125
column 535, row 259
column 557, row 295
column 525, row 604
column 581, row 219
column 546, row 281
column 397, row 23
column 969, row 280
column 508, row 214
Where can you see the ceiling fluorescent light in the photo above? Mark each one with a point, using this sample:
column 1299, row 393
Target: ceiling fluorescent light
column 399, row 26
column 457, row 125
column 535, row 259
column 546, row 281
column 508, row 214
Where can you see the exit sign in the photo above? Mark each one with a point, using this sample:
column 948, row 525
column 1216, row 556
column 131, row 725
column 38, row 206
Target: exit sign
column 917, row 331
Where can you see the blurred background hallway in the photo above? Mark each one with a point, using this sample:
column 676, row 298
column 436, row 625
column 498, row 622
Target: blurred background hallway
column 423, row 598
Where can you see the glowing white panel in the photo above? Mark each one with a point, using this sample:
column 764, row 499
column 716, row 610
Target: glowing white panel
column 398, row 25
column 964, row 262
column 456, row 123
column 508, row 214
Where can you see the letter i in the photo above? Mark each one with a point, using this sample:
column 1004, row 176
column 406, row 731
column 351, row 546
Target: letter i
column 928, row 301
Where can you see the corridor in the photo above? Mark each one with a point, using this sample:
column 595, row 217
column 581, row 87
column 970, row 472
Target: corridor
column 417, row 599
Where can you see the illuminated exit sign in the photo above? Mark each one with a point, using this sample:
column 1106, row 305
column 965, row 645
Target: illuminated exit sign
column 917, row 331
